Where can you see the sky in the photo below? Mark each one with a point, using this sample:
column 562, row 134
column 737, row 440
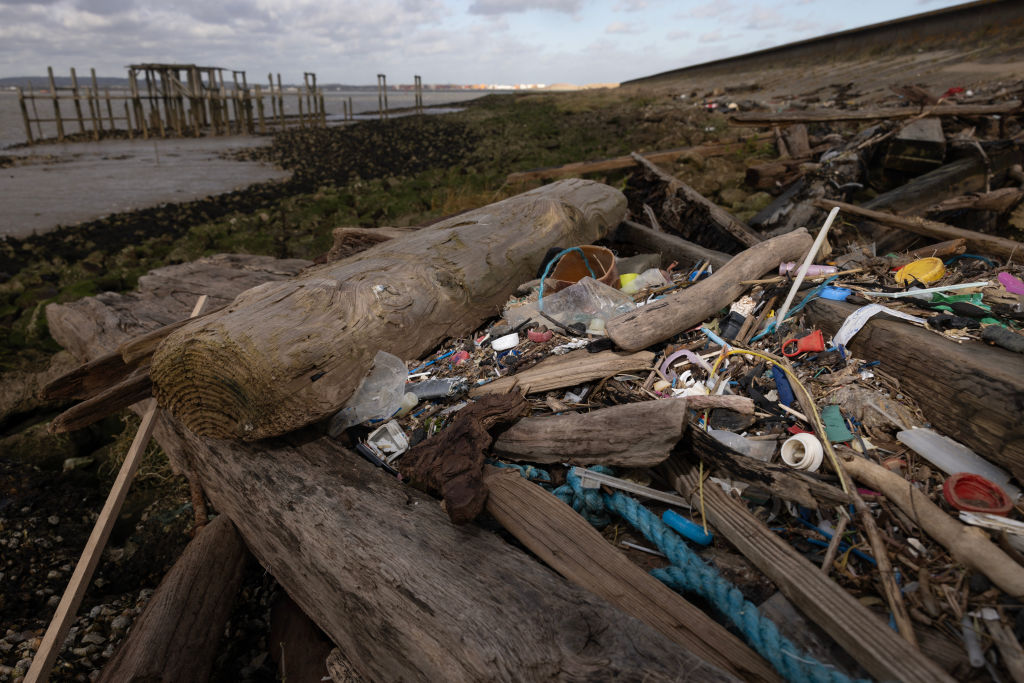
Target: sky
column 443, row 41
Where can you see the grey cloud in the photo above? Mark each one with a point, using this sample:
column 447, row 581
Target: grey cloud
column 511, row 6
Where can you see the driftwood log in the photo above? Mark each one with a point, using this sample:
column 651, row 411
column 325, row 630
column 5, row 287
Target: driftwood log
column 177, row 638
column 680, row 310
column 973, row 391
column 287, row 354
column 629, row 435
column 377, row 565
column 569, row 370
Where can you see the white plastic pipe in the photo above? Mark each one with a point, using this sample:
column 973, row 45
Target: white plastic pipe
column 802, row 452
column 780, row 317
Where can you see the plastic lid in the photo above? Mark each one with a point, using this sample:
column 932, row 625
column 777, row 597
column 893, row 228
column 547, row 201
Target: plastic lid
column 925, row 271
column 835, row 293
column 974, row 493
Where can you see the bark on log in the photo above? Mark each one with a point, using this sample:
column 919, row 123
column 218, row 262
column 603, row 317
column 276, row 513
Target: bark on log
column 972, row 392
column 670, row 247
column 683, row 309
column 576, row 550
column 288, row 354
column 177, row 638
column 379, row 567
column 567, row 371
column 976, row 241
column 824, row 115
column 629, row 435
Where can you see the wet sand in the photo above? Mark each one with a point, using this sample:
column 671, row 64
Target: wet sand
column 54, row 185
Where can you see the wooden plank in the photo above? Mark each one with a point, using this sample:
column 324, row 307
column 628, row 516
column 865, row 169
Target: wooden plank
column 682, row 309
column 571, row 546
column 177, row 637
column 56, row 105
column 569, row 370
column 974, row 392
column 135, row 388
column 24, row 116
column 870, row 114
column 719, row 216
column 856, row 629
column 976, row 241
column 671, row 247
column 630, row 435
column 578, row 168
column 53, row 640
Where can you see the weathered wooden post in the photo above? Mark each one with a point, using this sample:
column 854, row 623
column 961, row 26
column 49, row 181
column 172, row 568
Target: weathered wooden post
column 419, row 94
column 128, row 121
column 323, row 108
column 56, row 105
column 259, row 110
column 94, row 103
column 24, row 116
column 78, row 105
column 351, row 114
column 382, row 96
column 90, row 96
column 110, row 110
column 140, row 116
column 280, row 100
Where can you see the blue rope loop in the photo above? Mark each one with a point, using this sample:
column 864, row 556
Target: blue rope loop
column 690, row 573
column 525, row 471
column 553, row 261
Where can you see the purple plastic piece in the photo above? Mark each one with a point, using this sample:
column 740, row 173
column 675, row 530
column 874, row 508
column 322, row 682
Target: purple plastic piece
column 1013, row 285
column 690, row 355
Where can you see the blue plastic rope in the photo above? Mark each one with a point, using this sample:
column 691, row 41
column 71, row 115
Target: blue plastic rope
column 690, row 573
column 547, row 269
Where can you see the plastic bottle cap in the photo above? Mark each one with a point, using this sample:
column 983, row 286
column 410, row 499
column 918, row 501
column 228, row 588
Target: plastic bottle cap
column 835, row 293
column 974, row 493
column 925, row 271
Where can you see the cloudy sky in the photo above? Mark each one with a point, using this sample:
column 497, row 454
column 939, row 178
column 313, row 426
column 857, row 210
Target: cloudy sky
column 455, row 41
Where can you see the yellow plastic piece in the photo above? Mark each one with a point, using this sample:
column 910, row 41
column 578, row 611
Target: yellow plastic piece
column 925, row 271
column 626, row 278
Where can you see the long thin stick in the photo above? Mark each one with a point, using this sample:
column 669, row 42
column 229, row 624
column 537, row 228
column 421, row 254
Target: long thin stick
column 781, row 317
column 53, row 641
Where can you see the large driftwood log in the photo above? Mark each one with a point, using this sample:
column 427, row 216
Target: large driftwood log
column 177, row 638
column 680, row 310
column 973, row 392
column 630, row 435
column 285, row 355
column 379, row 567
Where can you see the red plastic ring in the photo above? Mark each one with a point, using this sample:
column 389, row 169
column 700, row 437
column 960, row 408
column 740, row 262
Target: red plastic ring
column 974, row 493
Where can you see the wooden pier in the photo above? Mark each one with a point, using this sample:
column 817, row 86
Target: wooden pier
column 170, row 100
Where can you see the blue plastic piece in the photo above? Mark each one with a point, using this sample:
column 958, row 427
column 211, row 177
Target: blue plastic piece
column 786, row 396
column 835, row 293
column 686, row 528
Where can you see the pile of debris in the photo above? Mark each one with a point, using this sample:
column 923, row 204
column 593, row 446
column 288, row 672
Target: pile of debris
column 782, row 424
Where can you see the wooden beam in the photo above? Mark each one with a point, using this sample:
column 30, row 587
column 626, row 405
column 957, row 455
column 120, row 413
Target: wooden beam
column 135, row 388
column 682, row 309
column 973, row 391
column 571, row 546
column 288, row 354
column 629, row 435
column 569, row 370
column 671, row 247
column 719, row 216
column 869, row 114
column 578, row 168
column 976, row 241
column 177, row 637
column 856, row 629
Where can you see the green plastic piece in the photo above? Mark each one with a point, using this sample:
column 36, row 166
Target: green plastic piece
column 835, row 425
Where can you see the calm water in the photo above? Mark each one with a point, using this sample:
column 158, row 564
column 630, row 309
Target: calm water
column 12, row 128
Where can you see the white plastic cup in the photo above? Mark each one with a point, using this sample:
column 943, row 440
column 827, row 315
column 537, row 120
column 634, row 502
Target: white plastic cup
column 509, row 341
column 802, row 452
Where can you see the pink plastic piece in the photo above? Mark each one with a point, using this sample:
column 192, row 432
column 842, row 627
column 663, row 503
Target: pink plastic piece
column 812, row 271
column 690, row 356
column 539, row 337
column 1013, row 285
column 460, row 357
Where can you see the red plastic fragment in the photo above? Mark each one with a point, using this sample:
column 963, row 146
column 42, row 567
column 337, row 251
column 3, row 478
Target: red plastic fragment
column 974, row 493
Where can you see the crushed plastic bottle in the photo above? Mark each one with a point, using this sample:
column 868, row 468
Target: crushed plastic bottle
column 379, row 395
column 581, row 303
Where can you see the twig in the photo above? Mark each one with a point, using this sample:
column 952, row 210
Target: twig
column 833, row 544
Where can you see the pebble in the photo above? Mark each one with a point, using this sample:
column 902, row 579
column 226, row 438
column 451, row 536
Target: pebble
column 93, row 639
column 53, row 519
column 120, row 623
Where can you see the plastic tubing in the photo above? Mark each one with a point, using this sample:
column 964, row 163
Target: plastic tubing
column 780, row 317
column 685, row 353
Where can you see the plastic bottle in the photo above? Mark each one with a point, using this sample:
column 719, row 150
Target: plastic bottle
column 379, row 395
column 952, row 457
